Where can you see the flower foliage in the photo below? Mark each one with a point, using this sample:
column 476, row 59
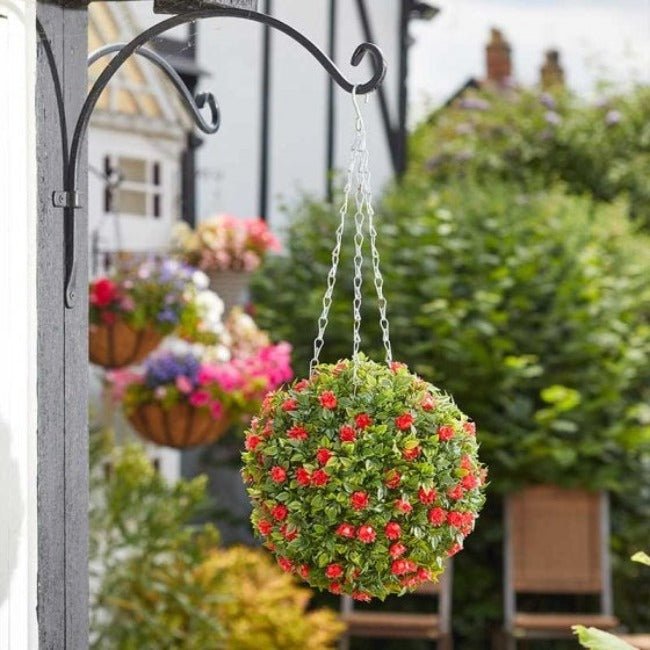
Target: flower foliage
column 235, row 387
column 225, row 243
column 363, row 488
column 159, row 293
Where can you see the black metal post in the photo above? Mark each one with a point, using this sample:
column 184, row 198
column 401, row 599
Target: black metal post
column 265, row 120
column 400, row 137
column 331, row 106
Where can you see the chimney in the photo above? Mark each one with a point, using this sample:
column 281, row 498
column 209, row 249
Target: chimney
column 498, row 63
column 551, row 73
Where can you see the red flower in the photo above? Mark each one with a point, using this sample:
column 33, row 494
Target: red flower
column 285, row 565
column 393, row 478
column 278, row 474
column 323, row 455
column 403, row 506
column 327, row 399
column 252, row 441
column 366, row 534
column 427, row 495
column 301, row 385
column 334, row 571
column 264, row 526
column 424, row 574
column 361, row 596
column 347, row 433
column 108, row 317
column 346, row 530
column 103, row 292
column 397, row 365
column 290, row 404
column 303, row 476
column 304, row 571
column 397, row 550
column 445, row 432
column 335, row 588
column 298, row 432
column 469, row 482
column 411, row 453
column 404, row 421
column 455, row 519
column 437, row 516
column 362, row 420
column 470, row 427
column 410, row 581
column 279, row 512
column 268, row 428
column 454, row 549
column 400, row 567
column 466, row 463
column 456, row 493
column 319, row 477
column 428, row 403
column 467, row 523
column 393, row 530
column 359, row 500
column 289, row 535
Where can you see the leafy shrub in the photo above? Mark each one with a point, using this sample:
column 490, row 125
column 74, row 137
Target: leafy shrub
column 160, row 584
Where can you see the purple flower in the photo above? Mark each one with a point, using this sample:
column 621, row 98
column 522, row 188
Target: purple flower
column 167, row 315
column 552, row 118
column 613, row 117
column 474, row 104
column 164, row 368
column 547, row 100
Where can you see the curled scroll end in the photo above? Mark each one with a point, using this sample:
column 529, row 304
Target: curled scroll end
column 378, row 64
column 215, row 115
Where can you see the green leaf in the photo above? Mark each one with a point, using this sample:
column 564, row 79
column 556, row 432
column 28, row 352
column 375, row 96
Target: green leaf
column 641, row 557
column 595, row 639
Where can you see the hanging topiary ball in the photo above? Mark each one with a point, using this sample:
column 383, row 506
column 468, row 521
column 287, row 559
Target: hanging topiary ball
column 363, row 483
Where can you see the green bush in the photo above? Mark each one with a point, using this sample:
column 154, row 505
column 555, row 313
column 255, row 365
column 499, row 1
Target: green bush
column 160, row 584
column 530, row 309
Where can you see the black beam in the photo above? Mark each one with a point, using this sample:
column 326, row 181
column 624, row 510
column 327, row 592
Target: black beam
column 265, row 120
column 331, row 106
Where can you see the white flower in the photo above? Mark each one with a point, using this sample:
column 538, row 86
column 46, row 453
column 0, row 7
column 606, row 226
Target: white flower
column 200, row 280
column 211, row 309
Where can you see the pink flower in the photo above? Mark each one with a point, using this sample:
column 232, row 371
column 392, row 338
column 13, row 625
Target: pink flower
column 216, row 409
column 199, row 398
column 470, row 427
column 428, row 403
column 397, row 550
column 403, row 506
column 183, row 384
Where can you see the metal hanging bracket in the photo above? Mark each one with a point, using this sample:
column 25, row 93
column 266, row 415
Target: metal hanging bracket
column 69, row 197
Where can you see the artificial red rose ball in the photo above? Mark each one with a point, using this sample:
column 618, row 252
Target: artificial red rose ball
column 363, row 483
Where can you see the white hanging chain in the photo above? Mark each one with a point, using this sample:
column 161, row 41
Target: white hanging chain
column 358, row 175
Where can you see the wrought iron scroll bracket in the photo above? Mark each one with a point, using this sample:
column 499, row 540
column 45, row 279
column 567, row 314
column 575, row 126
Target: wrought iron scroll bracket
column 68, row 197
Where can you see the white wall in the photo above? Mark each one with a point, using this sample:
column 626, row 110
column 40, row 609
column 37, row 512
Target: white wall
column 18, row 544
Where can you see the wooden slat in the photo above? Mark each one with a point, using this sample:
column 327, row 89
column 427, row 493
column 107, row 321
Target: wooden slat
column 550, row 622
column 639, row 641
column 392, row 625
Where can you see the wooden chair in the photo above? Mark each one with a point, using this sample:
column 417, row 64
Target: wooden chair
column 556, row 542
column 432, row 625
column 639, row 641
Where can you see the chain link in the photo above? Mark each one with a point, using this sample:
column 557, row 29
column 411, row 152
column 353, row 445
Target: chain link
column 358, row 176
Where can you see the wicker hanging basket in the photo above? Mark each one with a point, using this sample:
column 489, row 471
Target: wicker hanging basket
column 119, row 344
column 181, row 426
column 230, row 286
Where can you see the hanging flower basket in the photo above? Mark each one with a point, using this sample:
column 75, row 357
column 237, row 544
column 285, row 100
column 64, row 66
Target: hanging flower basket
column 180, row 426
column 364, row 478
column 119, row 344
column 178, row 400
column 365, row 487
column 230, row 286
column 138, row 305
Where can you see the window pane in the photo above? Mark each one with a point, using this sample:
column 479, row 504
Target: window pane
column 133, row 169
column 132, row 202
